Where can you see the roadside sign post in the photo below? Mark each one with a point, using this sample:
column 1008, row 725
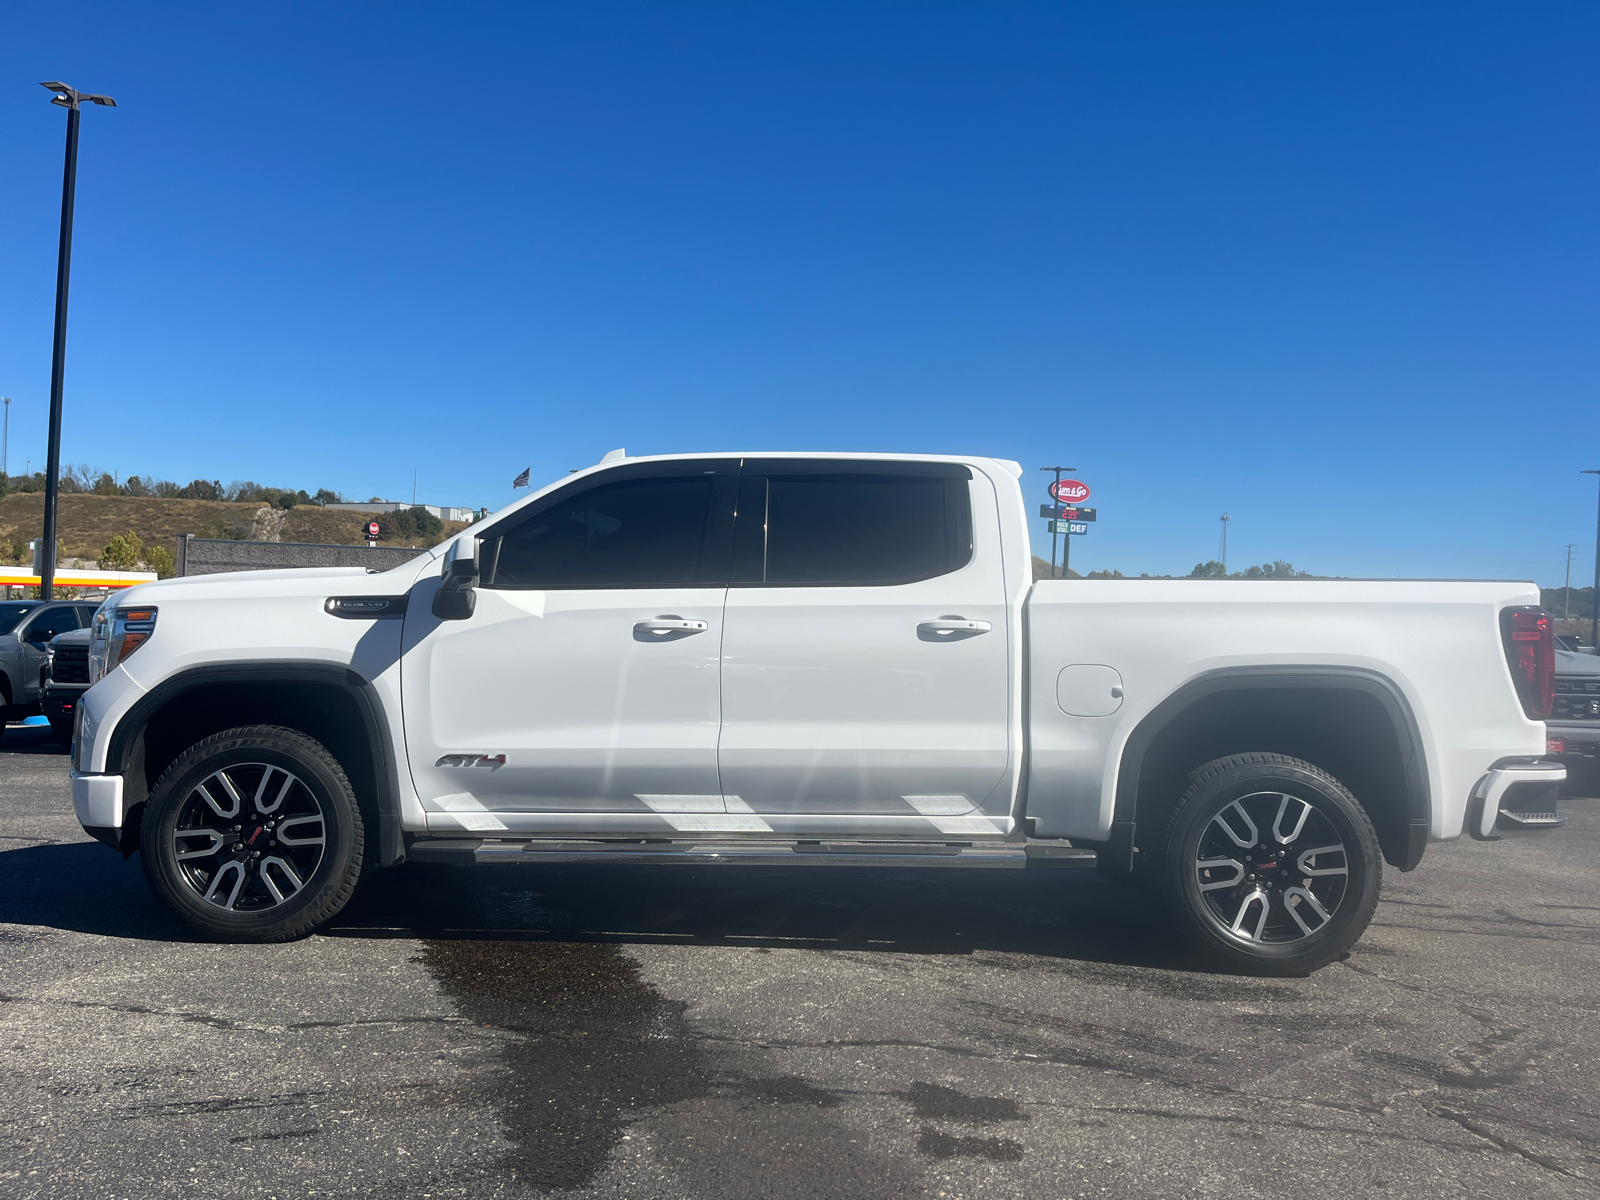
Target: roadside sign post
column 1067, row 518
column 372, row 534
column 1054, row 488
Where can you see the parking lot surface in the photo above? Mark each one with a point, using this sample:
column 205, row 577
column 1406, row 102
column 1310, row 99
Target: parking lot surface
column 735, row 1032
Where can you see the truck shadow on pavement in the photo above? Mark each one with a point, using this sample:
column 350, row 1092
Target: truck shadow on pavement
column 1067, row 913
column 1070, row 913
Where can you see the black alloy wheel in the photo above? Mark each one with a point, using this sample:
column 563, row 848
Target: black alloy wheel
column 254, row 835
column 1271, row 865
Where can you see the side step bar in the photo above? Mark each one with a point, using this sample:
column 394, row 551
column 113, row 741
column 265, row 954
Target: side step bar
column 478, row 851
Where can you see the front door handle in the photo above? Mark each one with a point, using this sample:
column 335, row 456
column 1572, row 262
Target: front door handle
column 951, row 629
column 667, row 629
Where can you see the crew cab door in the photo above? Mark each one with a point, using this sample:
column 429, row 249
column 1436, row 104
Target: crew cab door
column 865, row 659
column 586, row 680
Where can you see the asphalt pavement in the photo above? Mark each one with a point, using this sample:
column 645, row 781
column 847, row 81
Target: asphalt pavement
column 706, row 1032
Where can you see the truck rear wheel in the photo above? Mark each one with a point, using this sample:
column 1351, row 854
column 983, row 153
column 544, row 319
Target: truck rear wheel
column 1271, row 865
column 253, row 835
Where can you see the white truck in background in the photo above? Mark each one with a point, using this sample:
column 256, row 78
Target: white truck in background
column 808, row 659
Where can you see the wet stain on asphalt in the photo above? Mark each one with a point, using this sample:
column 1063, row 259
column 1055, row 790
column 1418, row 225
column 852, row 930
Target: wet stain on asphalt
column 601, row 1073
column 942, row 1145
column 935, row 1103
column 599, row 1058
column 598, row 1047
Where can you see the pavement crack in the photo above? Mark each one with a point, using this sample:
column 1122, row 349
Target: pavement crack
column 1477, row 1130
column 219, row 1104
column 381, row 1021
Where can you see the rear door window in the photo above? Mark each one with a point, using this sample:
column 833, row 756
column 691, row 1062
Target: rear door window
column 860, row 526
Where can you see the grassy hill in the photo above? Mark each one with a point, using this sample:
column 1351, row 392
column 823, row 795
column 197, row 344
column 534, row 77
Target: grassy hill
column 87, row 522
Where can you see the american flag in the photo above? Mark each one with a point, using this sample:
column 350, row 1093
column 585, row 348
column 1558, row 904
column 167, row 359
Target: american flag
column 522, row 480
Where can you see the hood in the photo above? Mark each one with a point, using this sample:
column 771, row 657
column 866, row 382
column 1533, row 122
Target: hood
column 73, row 637
column 251, row 577
column 1568, row 663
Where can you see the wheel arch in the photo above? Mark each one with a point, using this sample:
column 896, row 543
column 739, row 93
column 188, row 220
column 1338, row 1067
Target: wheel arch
column 326, row 701
column 1354, row 723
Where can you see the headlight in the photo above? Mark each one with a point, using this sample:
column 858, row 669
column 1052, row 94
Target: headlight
column 118, row 632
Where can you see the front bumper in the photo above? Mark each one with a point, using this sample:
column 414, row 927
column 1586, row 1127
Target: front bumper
column 97, row 800
column 1516, row 795
column 60, row 701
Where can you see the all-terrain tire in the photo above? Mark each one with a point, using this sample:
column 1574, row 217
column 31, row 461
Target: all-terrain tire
column 1296, row 904
column 269, row 793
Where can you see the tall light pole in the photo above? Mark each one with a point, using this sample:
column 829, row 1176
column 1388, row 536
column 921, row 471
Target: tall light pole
column 1594, row 598
column 5, row 442
column 1224, row 552
column 69, row 99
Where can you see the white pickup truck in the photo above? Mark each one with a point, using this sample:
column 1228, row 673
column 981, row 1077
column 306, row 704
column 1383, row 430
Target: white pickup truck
column 808, row 659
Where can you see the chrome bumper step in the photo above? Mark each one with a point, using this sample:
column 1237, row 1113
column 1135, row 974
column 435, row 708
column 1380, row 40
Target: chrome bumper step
column 483, row 851
column 1533, row 820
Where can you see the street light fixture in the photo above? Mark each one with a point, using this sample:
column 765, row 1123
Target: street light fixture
column 69, row 99
column 1594, row 599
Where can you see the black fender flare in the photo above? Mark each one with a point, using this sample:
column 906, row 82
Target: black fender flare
column 385, row 766
column 1418, row 792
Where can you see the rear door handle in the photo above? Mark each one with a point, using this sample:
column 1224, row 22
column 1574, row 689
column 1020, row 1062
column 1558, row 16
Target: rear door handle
column 951, row 629
column 667, row 629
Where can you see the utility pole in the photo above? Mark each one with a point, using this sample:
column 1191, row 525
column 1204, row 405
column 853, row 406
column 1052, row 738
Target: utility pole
column 1224, row 552
column 1053, row 534
column 5, row 442
column 413, row 489
column 1594, row 597
column 1566, row 592
column 69, row 99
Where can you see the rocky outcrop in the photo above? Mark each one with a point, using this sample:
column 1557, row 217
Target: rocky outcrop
column 267, row 525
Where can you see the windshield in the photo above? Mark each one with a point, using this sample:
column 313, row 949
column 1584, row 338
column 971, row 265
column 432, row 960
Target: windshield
column 11, row 612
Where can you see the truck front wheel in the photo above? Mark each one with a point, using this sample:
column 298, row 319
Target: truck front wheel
column 253, row 835
column 1271, row 865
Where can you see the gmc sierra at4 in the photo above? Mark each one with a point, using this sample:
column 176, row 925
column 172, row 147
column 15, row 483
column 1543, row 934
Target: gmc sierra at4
column 808, row 659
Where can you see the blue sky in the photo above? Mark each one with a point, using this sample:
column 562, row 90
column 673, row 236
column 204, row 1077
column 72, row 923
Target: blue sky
column 1329, row 268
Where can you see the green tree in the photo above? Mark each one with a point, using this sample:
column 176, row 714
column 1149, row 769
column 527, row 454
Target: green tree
column 122, row 552
column 160, row 560
column 410, row 524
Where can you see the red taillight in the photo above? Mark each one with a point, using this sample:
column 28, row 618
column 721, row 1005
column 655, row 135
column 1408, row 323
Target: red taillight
column 1531, row 654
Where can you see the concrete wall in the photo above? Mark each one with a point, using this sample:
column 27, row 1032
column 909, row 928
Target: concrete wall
column 209, row 556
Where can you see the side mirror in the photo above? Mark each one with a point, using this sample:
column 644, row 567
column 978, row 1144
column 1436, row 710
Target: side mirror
column 455, row 600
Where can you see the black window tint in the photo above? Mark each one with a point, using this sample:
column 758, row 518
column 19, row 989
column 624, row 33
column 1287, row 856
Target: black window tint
column 630, row 533
column 864, row 528
column 51, row 621
column 11, row 614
